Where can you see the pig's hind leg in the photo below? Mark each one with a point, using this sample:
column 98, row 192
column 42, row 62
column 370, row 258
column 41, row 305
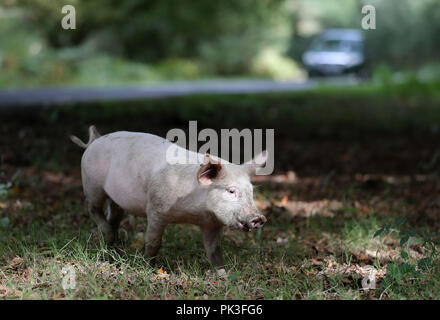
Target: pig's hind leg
column 96, row 203
column 114, row 217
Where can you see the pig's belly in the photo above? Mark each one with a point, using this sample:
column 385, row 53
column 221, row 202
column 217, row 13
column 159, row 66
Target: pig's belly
column 129, row 196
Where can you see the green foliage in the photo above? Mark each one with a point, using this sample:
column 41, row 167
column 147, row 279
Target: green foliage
column 4, row 190
column 407, row 267
column 409, row 28
column 270, row 64
column 4, row 222
column 225, row 35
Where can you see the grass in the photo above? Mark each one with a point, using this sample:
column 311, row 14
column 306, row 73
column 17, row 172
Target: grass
column 362, row 157
column 259, row 266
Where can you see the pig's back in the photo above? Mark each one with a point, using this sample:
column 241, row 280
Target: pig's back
column 126, row 162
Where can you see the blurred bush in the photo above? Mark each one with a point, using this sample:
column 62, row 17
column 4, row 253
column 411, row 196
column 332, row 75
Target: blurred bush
column 407, row 33
column 143, row 41
column 176, row 69
column 270, row 64
column 224, row 35
column 21, row 55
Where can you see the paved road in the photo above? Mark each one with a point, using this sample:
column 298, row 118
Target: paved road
column 56, row 95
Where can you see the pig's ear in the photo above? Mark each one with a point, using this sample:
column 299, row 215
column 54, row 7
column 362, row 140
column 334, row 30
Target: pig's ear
column 258, row 162
column 209, row 171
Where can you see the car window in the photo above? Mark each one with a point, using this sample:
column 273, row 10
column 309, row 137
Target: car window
column 337, row 45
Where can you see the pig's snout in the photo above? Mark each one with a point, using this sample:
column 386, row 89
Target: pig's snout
column 253, row 223
column 257, row 222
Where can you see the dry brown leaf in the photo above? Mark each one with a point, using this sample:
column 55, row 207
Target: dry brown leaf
column 332, row 268
column 289, row 177
column 161, row 271
column 4, row 291
column 262, row 205
column 15, row 263
column 307, row 209
column 221, row 272
column 57, row 177
column 316, row 262
column 137, row 244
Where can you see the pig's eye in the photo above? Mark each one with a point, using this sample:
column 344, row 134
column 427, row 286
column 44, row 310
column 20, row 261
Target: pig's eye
column 231, row 193
column 232, row 190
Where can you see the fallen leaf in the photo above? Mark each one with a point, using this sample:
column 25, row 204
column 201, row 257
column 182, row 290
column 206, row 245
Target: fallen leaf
column 161, row 271
column 137, row 244
column 316, row 262
column 221, row 272
column 4, row 291
column 262, row 205
column 16, row 261
column 284, row 201
column 282, row 240
column 324, row 208
column 15, row 190
column 56, row 177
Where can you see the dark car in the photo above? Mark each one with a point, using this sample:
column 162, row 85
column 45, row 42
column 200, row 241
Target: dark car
column 335, row 52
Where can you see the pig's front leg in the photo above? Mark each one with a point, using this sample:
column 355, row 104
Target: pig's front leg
column 211, row 242
column 153, row 239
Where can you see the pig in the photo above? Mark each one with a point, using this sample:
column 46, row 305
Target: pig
column 130, row 171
